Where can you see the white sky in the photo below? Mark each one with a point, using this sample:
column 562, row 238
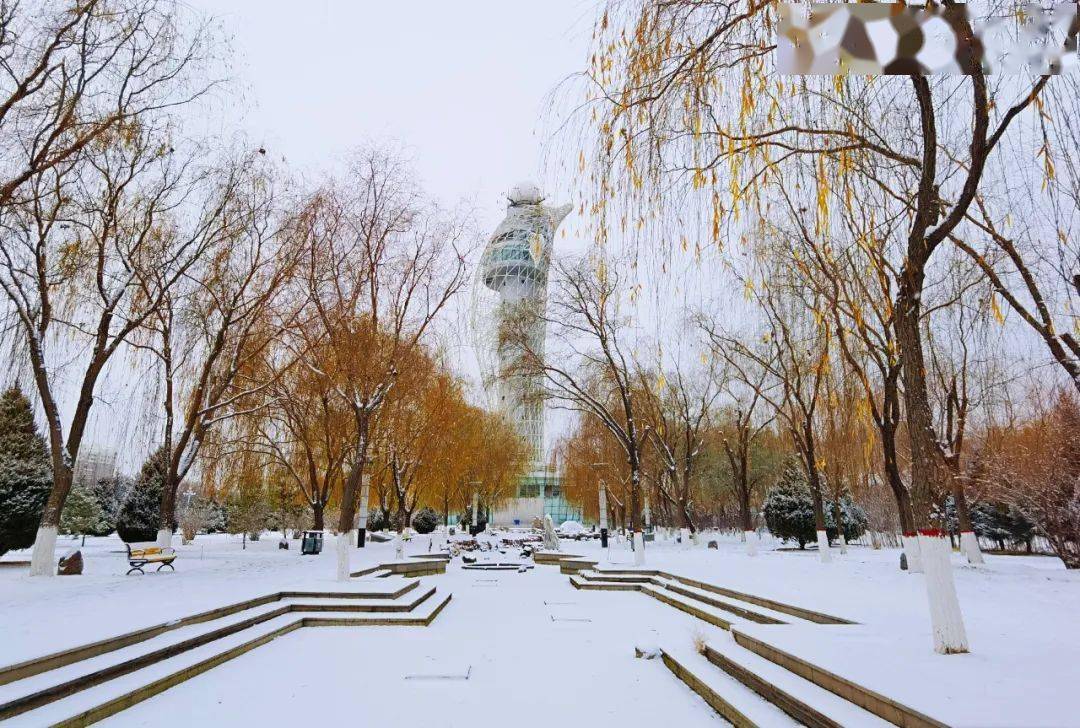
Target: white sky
column 461, row 85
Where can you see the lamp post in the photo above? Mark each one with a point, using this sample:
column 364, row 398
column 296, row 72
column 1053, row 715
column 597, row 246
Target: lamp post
column 361, row 520
column 474, row 525
column 603, row 507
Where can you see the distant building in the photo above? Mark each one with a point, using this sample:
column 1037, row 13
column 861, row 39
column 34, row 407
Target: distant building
column 94, row 465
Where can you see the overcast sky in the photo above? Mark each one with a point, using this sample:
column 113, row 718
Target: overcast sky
column 461, row 85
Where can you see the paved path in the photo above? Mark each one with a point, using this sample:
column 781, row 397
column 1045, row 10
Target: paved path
column 536, row 652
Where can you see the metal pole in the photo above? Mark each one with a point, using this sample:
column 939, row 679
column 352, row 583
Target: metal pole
column 475, row 525
column 603, row 515
column 361, row 521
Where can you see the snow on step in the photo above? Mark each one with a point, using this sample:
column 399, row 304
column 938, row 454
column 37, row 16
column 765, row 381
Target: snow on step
column 82, row 668
column 829, row 705
column 711, row 614
column 717, row 600
column 407, row 601
column 91, row 698
column 753, row 709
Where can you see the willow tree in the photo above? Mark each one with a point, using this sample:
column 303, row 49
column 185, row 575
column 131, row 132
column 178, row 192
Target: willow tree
column 89, row 182
column 688, row 112
column 215, row 327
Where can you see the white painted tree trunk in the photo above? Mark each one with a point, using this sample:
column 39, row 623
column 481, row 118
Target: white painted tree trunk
column 43, row 557
column 946, row 621
column 969, row 546
column 639, row 548
column 910, row 543
column 344, row 540
column 164, row 537
column 843, row 544
column 684, row 537
column 823, row 547
column 399, row 548
column 751, row 542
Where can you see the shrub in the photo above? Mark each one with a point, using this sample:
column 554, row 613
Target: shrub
column 425, row 521
column 139, row 517
column 25, row 472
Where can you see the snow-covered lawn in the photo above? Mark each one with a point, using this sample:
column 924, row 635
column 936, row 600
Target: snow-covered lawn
column 538, row 651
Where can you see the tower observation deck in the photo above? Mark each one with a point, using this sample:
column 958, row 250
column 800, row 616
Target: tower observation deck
column 515, row 266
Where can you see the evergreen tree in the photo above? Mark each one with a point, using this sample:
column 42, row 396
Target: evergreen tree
column 426, row 520
column 83, row 514
column 991, row 521
column 138, row 519
column 25, row 472
column 789, row 512
column 111, row 494
column 855, row 522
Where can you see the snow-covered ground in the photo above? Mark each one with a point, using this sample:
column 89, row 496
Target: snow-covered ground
column 537, row 651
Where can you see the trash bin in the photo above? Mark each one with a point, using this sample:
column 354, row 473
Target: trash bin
column 311, row 543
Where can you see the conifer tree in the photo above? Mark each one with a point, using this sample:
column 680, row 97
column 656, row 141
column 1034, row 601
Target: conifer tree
column 25, row 473
column 138, row 520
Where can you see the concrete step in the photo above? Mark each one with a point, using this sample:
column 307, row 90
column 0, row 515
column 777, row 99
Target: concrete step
column 781, row 607
column 596, row 575
column 107, row 698
column 735, row 702
column 880, row 705
column 406, row 604
column 702, row 611
column 421, row 616
column 50, row 685
column 804, row 701
column 752, row 613
column 578, row 582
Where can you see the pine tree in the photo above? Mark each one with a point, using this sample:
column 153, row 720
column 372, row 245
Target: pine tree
column 138, row 520
column 83, row 514
column 426, row 520
column 789, row 512
column 25, row 472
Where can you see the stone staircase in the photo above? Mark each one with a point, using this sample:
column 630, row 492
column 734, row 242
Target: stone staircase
column 744, row 678
column 85, row 684
column 716, row 605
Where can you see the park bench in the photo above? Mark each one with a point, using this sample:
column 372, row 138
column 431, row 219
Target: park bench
column 138, row 558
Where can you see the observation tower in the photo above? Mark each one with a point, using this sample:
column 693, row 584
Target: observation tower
column 512, row 278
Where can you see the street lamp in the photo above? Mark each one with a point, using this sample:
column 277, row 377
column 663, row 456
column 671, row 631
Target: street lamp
column 603, row 506
column 474, row 526
column 361, row 520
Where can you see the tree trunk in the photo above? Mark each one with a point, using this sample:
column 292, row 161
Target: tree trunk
column 814, row 479
column 838, row 519
column 927, row 468
column 318, row 515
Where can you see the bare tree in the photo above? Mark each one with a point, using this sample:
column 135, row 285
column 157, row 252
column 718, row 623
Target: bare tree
column 678, row 407
column 593, row 372
column 383, row 262
column 214, row 329
column 794, row 353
